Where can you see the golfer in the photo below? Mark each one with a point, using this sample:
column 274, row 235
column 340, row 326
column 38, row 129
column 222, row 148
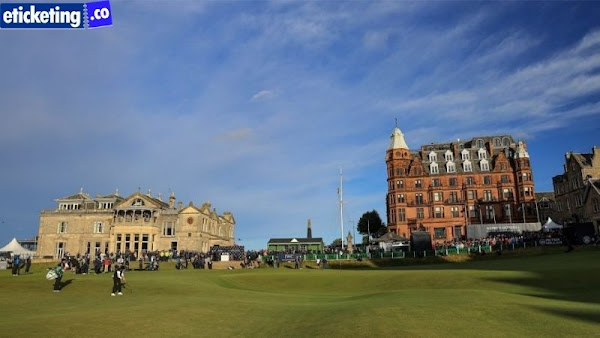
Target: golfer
column 118, row 280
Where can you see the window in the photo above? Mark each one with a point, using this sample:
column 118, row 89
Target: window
column 145, row 242
column 449, row 156
column 432, row 157
column 433, row 168
column 489, row 212
column 473, row 211
column 400, row 184
column 505, row 141
column 487, row 179
column 471, row 194
column 438, row 212
column 168, row 229
column 62, row 227
column 393, row 216
column 450, row 167
column 507, row 193
column 484, row 165
column 467, row 167
column 439, row 233
column 507, row 210
column 452, row 182
column 497, row 142
column 436, row 182
column 454, row 211
column 418, row 184
column 118, row 243
column 98, row 228
column 465, row 155
column 138, row 202
column 105, row 205
column 526, row 177
column 596, row 205
column 401, row 215
column 60, row 249
column 503, row 166
column 504, row 179
column 418, row 199
column 469, row 180
column 481, row 154
column 487, row 195
column 420, row 213
column 480, row 143
column 400, row 198
column 528, row 191
column 438, row 196
column 453, row 197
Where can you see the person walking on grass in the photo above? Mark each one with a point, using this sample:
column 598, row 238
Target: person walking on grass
column 58, row 273
column 118, row 280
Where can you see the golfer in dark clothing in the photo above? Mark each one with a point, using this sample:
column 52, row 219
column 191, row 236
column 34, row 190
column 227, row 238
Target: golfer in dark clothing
column 27, row 264
column 118, row 278
column 57, row 281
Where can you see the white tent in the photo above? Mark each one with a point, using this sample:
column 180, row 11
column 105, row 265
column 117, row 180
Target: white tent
column 15, row 247
column 550, row 225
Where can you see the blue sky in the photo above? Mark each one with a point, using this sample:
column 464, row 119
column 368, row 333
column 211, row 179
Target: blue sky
column 254, row 106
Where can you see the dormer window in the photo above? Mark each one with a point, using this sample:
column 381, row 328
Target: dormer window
column 480, row 143
column 465, row 155
column 450, row 167
column 449, row 156
column 467, row 167
column 432, row 157
column 497, row 142
column 505, row 141
column 433, row 168
column 484, row 165
column 481, row 154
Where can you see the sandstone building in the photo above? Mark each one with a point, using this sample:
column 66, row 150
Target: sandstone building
column 137, row 223
column 443, row 187
column 577, row 190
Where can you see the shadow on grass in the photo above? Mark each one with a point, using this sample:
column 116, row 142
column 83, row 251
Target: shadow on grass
column 65, row 283
column 592, row 316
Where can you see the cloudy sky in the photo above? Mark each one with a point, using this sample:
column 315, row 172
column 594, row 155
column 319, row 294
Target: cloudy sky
column 254, row 106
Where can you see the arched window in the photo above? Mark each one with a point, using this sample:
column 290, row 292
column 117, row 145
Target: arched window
column 480, row 143
column 505, row 141
column 432, row 157
column 497, row 142
column 433, row 168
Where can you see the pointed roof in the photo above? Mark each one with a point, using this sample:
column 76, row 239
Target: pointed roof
column 397, row 140
column 14, row 247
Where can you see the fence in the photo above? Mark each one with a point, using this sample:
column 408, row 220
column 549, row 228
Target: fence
column 401, row 254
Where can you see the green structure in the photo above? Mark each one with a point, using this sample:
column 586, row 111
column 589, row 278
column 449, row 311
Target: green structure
column 297, row 244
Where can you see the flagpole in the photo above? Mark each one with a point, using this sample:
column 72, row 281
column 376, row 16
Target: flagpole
column 537, row 211
column 341, row 210
column 523, row 207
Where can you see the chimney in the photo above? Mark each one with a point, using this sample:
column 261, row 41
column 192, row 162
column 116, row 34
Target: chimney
column 309, row 229
column 172, row 201
column 596, row 157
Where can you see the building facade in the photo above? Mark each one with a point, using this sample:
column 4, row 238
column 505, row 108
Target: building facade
column 137, row 223
column 444, row 187
column 546, row 205
column 576, row 189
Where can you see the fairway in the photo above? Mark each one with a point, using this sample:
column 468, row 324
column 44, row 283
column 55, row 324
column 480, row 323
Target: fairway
column 548, row 295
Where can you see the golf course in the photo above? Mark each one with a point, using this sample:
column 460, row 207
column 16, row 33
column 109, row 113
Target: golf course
column 550, row 293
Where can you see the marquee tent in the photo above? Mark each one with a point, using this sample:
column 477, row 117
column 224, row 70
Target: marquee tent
column 15, row 247
column 550, row 225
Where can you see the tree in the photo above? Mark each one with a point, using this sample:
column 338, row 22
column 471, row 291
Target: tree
column 370, row 221
column 336, row 242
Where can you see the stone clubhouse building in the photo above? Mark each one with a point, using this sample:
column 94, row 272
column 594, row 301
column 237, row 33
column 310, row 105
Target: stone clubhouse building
column 444, row 187
column 137, row 223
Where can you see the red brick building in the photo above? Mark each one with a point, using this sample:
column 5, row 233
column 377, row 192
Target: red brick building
column 443, row 187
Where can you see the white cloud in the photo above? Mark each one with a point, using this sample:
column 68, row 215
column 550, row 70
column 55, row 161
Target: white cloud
column 263, row 95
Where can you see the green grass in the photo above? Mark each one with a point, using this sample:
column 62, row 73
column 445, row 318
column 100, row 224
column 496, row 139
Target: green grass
column 549, row 294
